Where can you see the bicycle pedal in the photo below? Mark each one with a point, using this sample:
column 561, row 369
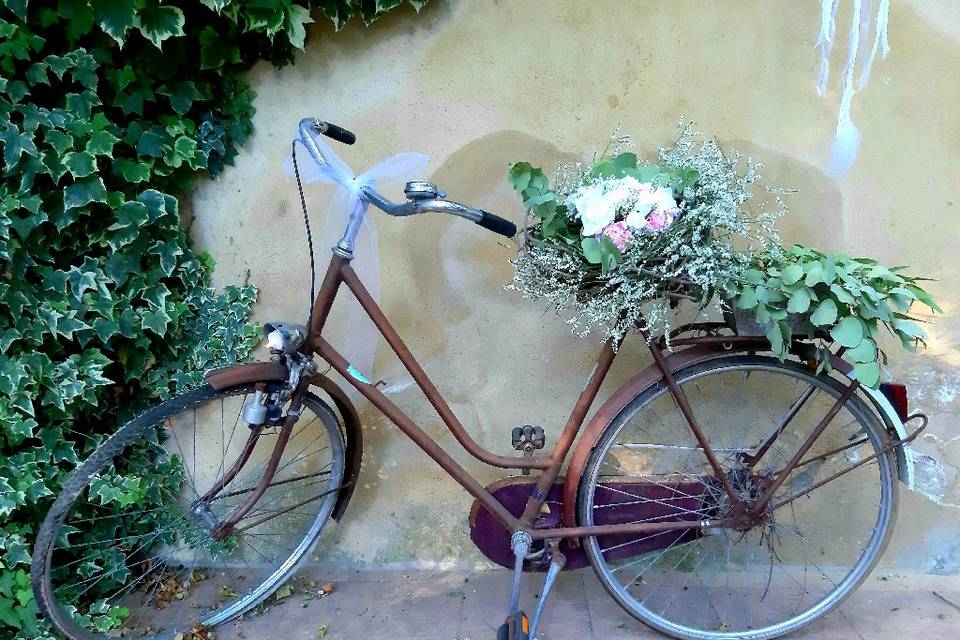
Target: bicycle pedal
column 527, row 438
column 516, row 627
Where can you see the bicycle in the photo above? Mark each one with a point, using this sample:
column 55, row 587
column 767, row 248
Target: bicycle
column 719, row 493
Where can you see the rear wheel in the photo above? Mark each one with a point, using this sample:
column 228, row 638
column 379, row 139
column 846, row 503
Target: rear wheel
column 795, row 564
column 128, row 553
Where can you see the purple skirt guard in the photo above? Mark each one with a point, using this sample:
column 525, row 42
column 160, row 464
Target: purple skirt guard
column 621, row 502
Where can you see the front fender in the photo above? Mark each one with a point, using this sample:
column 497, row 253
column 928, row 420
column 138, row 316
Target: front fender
column 277, row 372
column 353, row 433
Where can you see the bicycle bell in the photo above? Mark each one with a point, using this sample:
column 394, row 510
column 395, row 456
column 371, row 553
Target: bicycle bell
column 420, row 190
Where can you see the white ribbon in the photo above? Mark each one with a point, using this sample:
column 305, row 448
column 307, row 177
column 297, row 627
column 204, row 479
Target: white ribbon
column 847, row 139
column 360, row 342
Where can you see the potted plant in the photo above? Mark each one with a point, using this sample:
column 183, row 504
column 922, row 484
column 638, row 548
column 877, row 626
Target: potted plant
column 831, row 298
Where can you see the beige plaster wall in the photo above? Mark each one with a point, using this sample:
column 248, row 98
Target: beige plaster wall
column 477, row 85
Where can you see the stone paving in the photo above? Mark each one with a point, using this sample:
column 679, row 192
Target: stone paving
column 458, row 605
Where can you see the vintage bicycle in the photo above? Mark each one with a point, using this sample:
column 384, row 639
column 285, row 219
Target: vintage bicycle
column 719, row 493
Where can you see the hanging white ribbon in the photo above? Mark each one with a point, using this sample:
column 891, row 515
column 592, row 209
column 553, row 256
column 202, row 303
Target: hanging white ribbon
column 846, row 143
column 360, row 342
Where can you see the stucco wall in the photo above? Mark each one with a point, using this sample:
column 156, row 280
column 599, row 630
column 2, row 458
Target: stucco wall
column 476, row 85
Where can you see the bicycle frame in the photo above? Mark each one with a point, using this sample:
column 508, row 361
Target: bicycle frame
column 340, row 272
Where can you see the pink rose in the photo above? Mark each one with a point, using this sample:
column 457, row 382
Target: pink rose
column 619, row 235
column 658, row 220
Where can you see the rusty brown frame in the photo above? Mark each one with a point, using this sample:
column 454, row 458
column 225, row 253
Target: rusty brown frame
column 339, row 273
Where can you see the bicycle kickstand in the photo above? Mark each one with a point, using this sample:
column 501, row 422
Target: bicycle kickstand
column 517, row 625
column 557, row 560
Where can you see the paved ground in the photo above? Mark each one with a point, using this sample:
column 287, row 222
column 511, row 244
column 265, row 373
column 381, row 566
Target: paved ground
column 455, row 605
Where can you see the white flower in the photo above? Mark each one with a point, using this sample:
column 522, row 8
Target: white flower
column 665, row 201
column 624, row 190
column 593, row 206
column 637, row 218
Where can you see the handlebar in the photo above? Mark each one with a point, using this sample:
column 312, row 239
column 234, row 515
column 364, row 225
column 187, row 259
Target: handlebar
column 422, row 202
column 414, row 206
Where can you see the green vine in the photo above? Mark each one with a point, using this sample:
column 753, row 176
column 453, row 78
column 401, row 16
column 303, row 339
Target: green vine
column 108, row 108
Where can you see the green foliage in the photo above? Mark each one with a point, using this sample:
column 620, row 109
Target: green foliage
column 104, row 305
column 841, row 299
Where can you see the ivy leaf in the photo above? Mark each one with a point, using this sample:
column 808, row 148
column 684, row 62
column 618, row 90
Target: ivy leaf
column 130, row 217
column 848, row 332
column 115, row 17
column 133, row 171
column 84, row 192
column 101, row 143
column 80, row 163
column 157, row 23
column 168, row 250
column 216, row 5
column 156, row 321
column 15, row 144
column 151, row 143
column 82, row 103
column 215, row 52
column 37, row 73
column 59, row 140
column 297, row 16
column 181, row 95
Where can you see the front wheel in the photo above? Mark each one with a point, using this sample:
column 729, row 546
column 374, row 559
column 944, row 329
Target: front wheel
column 131, row 545
column 823, row 535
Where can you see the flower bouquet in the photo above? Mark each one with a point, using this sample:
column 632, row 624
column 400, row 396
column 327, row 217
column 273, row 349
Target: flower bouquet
column 617, row 244
column 620, row 239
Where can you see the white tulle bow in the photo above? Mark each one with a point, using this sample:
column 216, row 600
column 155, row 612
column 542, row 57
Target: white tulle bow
column 359, row 345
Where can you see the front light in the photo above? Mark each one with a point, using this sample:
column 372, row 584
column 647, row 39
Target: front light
column 283, row 337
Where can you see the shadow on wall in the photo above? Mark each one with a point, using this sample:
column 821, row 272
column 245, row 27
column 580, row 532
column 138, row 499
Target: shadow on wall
column 474, row 174
column 816, row 215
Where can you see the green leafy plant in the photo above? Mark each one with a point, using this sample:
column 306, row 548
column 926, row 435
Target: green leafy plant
column 108, row 110
column 833, row 298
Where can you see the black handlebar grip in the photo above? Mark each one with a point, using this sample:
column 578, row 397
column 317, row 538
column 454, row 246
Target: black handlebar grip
column 337, row 133
column 497, row 224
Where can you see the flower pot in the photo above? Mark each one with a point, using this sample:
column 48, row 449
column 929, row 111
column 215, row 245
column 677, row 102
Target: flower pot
column 744, row 321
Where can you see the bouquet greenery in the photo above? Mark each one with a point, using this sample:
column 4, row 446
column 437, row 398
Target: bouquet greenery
column 620, row 240
column 617, row 244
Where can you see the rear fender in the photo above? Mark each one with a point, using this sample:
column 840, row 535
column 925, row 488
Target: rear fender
column 277, row 372
column 688, row 357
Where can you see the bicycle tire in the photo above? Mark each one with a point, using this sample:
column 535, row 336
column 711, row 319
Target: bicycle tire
column 128, row 434
column 873, row 549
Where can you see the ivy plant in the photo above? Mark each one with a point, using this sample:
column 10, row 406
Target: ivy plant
column 108, row 111
column 836, row 298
